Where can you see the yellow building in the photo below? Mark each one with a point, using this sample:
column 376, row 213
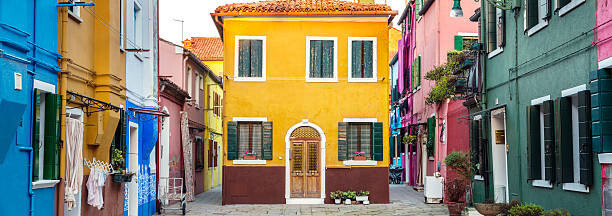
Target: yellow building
column 210, row 51
column 305, row 108
column 92, row 82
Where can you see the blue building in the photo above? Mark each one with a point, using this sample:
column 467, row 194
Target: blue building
column 30, row 137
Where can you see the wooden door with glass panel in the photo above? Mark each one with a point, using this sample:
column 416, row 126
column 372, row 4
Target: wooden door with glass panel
column 305, row 163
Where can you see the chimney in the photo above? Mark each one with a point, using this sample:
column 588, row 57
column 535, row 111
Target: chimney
column 187, row 44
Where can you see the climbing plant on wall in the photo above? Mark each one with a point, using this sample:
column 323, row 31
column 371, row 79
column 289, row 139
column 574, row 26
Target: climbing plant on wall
column 445, row 77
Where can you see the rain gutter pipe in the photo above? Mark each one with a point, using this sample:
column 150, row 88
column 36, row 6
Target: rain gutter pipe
column 30, row 191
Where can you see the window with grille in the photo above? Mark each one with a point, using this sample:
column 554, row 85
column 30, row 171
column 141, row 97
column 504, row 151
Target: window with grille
column 360, row 139
column 250, row 138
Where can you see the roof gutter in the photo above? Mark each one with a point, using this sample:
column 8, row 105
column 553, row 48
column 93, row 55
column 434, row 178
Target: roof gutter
column 218, row 24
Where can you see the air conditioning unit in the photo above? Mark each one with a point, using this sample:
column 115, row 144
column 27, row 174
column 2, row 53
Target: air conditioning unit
column 434, row 189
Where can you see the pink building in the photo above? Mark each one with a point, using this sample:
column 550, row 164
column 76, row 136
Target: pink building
column 428, row 34
column 604, row 33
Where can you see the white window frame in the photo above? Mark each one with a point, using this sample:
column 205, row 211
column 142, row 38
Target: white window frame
column 360, row 162
column 75, row 12
column 575, row 186
column 541, row 182
column 189, row 81
column 249, row 119
column 335, row 77
column 570, row 6
column 350, row 59
column 197, row 90
column 41, row 182
column 542, row 21
column 237, row 59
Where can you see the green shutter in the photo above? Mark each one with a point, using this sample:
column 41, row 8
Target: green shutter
column 377, row 148
column 327, row 70
column 232, row 140
column 533, row 143
column 368, row 62
column 52, row 136
column 256, row 57
column 36, row 134
column 316, row 52
column 267, row 140
column 549, row 139
column 491, row 27
column 244, row 58
column 532, row 13
column 458, row 42
column 431, row 136
column 418, row 71
column 342, row 141
column 564, row 139
column 356, row 69
column 584, row 138
column 475, row 145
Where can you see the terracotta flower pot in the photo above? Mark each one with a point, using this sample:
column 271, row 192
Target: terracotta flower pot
column 359, row 158
column 489, row 209
column 455, row 209
column 249, row 157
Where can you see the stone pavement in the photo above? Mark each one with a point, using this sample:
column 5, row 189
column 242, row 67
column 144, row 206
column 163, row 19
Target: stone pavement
column 404, row 201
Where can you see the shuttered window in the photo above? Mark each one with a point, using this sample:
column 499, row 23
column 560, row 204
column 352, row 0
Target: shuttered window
column 321, row 59
column 250, row 58
column 541, row 141
column 362, row 58
column 360, row 137
column 46, row 131
column 243, row 137
column 199, row 153
column 118, row 144
column 536, row 12
column 431, row 136
column 575, row 159
column 211, row 153
column 416, row 73
column 495, row 28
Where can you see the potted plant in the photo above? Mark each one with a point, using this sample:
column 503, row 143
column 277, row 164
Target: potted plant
column 409, row 139
column 458, row 162
column 454, row 190
column 336, row 196
column 359, row 156
column 348, row 197
column 363, row 197
column 527, row 210
column 489, row 208
column 249, row 155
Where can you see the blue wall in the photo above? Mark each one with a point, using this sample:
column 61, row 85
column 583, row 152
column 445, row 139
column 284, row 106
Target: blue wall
column 147, row 139
column 28, row 45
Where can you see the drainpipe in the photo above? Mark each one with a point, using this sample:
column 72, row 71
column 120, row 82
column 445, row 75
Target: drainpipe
column 516, row 97
column 30, row 191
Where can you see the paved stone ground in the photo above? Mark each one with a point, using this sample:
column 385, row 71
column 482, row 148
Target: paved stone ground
column 404, row 201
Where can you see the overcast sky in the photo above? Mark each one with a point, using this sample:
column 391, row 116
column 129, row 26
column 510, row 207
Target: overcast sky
column 195, row 15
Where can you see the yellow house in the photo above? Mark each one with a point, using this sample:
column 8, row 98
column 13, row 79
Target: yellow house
column 210, row 51
column 92, row 82
column 305, row 108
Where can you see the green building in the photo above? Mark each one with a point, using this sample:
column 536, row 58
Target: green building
column 531, row 136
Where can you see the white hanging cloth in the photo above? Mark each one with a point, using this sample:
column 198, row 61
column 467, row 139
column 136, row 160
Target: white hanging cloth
column 74, row 160
column 95, row 184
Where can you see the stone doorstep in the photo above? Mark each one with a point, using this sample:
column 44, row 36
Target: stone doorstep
column 471, row 211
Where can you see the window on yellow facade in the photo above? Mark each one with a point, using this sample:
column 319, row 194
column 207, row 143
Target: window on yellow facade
column 199, row 153
column 321, row 59
column 362, row 54
column 250, row 58
column 250, row 139
column 360, row 140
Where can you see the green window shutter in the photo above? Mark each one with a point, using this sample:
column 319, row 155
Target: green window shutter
column 316, row 52
column 431, row 136
column 564, row 139
column 368, row 61
column 475, row 145
column 256, row 58
column 458, row 42
column 356, row 69
column 491, row 27
column 232, row 140
column 342, row 141
column 327, row 70
column 36, row 134
column 52, row 136
column 377, row 147
column 549, row 139
column 267, row 140
column 584, row 138
column 244, row 58
column 418, row 71
column 532, row 8
column 533, row 143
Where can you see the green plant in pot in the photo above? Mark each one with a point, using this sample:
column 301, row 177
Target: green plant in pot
column 458, row 162
column 362, row 196
column 336, row 196
column 409, row 139
column 349, row 196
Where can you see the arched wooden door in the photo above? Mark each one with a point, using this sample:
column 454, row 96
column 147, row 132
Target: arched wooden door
column 305, row 163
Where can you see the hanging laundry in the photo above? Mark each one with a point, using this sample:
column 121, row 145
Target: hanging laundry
column 95, row 186
column 74, row 161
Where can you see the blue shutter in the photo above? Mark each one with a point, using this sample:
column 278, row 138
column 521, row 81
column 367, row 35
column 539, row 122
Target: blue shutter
column 327, row 70
column 368, row 59
column 342, row 141
column 356, row 59
column 256, row 58
column 244, row 58
column 315, row 58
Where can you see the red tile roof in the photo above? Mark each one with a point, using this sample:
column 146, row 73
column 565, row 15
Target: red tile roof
column 303, row 8
column 207, row 48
